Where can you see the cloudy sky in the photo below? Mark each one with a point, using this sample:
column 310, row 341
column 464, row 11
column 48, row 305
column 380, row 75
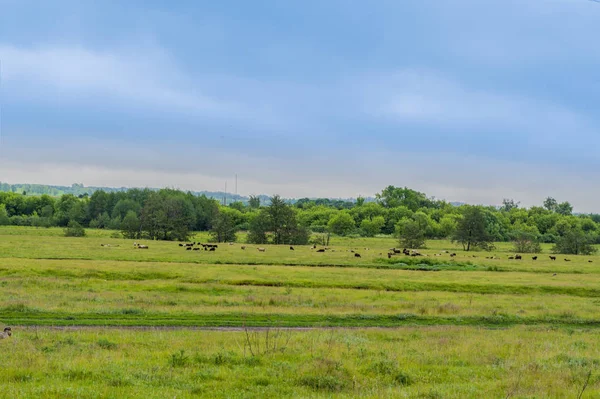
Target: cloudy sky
column 466, row 100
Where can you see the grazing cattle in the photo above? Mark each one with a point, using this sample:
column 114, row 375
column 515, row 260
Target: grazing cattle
column 552, row 257
column 261, row 249
column 291, row 248
column 243, row 247
column 554, row 275
column 212, row 249
column 142, row 246
column 518, row 257
column 590, row 261
column 567, row 260
column 389, row 255
column 197, row 249
column 321, row 250
column 406, row 251
column 511, row 257
column 230, row 243
column 534, row 257
column 397, row 251
column 356, row 255
column 6, row 333
column 190, row 248
column 452, row 255
column 314, row 246
column 180, row 244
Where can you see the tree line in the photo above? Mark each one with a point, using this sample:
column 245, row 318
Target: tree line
column 413, row 217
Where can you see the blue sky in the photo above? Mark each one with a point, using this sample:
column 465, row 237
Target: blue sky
column 465, row 100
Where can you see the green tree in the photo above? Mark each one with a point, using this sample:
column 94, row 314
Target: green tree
column 471, row 229
column 564, row 208
column 278, row 219
column 392, row 197
column 509, row 204
column 526, row 241
column 130, row 226
column 4, row 219
column 74, row 229
column 410, row 234
column 341, row 224
column 259, row 227
column 223, row 229
column 254, row 202
column 550, row 204
column 574, row 242
column 372, row 227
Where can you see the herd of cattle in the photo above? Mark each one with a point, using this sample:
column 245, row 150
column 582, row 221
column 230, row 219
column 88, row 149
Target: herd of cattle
column 197, row 246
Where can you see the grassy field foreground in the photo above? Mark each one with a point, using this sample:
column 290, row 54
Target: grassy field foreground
column 423, row 362
column 463, row 327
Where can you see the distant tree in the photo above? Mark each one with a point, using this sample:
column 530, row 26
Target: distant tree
column 360, row 201
column 238, row 205
column 167, row 215
column 392, row 197
column 279, row 220
column 254, row 202
column 526, row 242
column 564, row 208
column 550, row 204
column 471, row 230
column 372, row 227
column 509, row 204
column 574, row 242
column 259, row 227
column 342, row 223
column 4, row 219
column 123, row 206
column 74, row 229
column 223, row 229
column 130, row 226
column 410, row 234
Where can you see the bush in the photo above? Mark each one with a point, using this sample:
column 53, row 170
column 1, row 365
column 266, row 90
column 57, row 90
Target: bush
column 410, row 234
column 526, row 242
column 574, row 242
column 74, row 229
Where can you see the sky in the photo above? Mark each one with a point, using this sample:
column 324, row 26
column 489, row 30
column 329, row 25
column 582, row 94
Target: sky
column 465, row 100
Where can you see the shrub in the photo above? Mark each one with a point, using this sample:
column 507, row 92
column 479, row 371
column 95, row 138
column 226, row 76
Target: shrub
column 74, row 229
column 526, row 242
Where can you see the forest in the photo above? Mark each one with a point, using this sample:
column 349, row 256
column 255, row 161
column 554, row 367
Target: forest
column 170, row 214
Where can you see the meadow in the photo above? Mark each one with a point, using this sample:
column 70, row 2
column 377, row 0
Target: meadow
column 93, row 320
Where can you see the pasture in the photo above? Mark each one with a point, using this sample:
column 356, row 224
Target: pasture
column 93, row 320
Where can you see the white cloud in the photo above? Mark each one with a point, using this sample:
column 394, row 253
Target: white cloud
column 146, row 79
column 430, row 99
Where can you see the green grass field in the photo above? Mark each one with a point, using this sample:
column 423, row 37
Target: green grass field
column 429, row 327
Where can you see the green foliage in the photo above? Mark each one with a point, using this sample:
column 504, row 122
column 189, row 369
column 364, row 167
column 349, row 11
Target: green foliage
column 4, row 219
column 372, row 227
column 392, row 197
column 279, row 221
column 130, row 226
column 167, row 215
column 471, row 231
column 410, row 234
column 576, row 242
column 254, row 202
column 223, row 229
column 526, row 242
column 74, row 229
column 341, row 224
